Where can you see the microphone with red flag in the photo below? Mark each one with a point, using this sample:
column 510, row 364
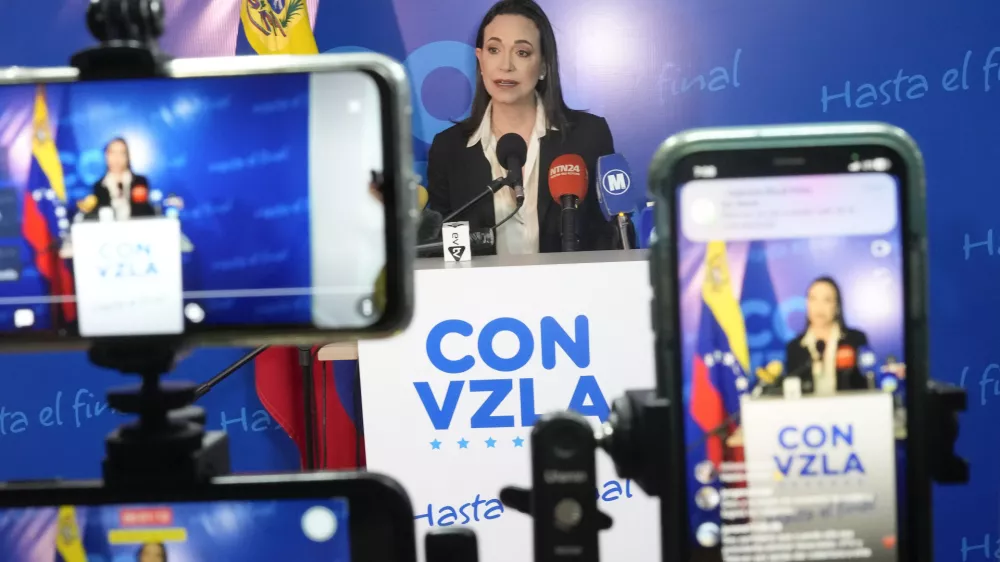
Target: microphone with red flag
column 847, row 362
column 568, row 186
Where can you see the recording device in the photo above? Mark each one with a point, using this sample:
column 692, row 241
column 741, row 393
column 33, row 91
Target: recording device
column 482, row 242
column 618, row 198
column 568, row 186
column 304, row 517
column 164, row 488
column 512, row 152
column 800, row 174
column 281, row 266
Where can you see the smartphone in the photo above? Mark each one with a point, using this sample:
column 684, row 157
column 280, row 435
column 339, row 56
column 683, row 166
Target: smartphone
column 232, row 201
column 789, row 275
column 304, row 517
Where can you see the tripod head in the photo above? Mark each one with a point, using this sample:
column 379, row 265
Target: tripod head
column 168, row 444
column 127, row 32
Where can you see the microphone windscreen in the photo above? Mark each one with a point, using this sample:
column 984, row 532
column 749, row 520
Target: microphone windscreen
column 422, row 197
column 568, row 176
column 846, row 357
column 87, row 204
column 820, row 348
column 429, row 227
column 615, row 192
column 140, row 194
column 510, row 146
column 866, row 358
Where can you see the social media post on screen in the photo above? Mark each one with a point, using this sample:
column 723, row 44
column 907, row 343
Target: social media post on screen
column 792, row 319
column 303, row 530
column 164, row 205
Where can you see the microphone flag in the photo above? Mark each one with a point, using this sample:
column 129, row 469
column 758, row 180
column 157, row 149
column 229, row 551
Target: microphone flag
column 278, row 378
column 275, row 27
column 719, row 368
column 616, row 192
column 758, row 302
column 44, row 196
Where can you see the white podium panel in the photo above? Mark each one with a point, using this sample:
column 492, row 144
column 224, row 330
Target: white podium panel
column 820, row 478
column 449, row 403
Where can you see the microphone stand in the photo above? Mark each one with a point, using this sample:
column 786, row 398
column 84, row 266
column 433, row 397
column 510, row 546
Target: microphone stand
column 623, row 230
column 306, row 361
column 492, row 188
column 308, row 391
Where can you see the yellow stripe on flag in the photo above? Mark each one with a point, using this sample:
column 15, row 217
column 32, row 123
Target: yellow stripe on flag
column 143, row 536
column 717, row 290
column 68, row 541
column 278, row 27
column 43, row 146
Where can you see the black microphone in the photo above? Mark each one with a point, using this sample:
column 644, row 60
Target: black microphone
column 776, row 388
column 481, row 240
column 512, row 152
column 429, row 227
column 493, row 187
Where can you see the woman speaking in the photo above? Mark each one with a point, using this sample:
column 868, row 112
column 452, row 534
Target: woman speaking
column 823, row 344
column 518, row 91
column 126, row 193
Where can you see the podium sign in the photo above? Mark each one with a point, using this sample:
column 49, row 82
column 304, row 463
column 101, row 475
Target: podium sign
column 128, row 277
column 449, row 403
column 820, row 476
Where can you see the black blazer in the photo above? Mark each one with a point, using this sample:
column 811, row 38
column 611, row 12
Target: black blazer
column 456, row 173
column 798, row 362
column 138, row 209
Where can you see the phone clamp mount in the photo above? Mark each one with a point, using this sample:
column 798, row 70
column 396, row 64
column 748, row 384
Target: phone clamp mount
column 637, row 437
column 127, row 32
column 168, row 444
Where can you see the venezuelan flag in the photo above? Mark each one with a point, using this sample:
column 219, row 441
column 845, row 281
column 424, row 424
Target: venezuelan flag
column 722, row 362
column 45, row 194
column 275, row 27
column 69, row 542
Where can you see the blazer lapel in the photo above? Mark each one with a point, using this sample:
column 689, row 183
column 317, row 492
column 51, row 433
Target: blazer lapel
column 476, row 178
column 548, row 146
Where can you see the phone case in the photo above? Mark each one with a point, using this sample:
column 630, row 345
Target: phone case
column 399, row 193
column 916, row 543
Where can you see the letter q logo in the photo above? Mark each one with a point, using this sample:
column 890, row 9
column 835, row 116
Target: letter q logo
column 616, row 182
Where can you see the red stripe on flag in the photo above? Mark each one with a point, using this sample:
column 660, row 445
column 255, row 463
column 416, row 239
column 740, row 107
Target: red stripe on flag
column 706, row 409
column 35, row 228
column 278, row 379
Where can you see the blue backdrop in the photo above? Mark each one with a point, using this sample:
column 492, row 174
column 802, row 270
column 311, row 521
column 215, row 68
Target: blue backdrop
column 925, row 65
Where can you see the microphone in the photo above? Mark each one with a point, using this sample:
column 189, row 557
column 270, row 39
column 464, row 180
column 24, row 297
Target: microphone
column 866, row 362
column 482, row 242
column 140, row 194
column 87, row 204
column 847, row 362
column 774, row 385
column 512, row 152
column 568, row 186
column 616, row 195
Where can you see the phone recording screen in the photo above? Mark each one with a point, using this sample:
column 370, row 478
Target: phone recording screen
column 791, row 309
column 163, row 206
column 249, row 531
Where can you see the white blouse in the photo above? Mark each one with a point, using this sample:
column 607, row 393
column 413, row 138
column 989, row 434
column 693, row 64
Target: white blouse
column 519, row 235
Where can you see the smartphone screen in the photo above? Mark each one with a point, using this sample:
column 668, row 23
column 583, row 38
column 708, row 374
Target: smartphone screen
column 792, row 306
column 164, row 206
column 264, row 531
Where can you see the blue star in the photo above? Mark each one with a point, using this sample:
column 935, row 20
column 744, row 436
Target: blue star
column 436, row 445
column 518, row 442
column 463, row 444
column 491, row 443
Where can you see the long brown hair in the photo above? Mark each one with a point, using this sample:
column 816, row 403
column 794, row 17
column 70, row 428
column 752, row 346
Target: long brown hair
column 556, row 111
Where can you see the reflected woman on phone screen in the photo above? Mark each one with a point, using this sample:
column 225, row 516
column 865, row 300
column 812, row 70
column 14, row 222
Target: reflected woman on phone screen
column 825, row 338
column 120, row 189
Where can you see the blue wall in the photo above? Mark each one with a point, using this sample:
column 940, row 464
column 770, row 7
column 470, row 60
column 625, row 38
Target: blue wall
column 637, row 62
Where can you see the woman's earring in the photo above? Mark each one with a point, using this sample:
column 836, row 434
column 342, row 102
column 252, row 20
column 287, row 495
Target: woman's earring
column 542, row 77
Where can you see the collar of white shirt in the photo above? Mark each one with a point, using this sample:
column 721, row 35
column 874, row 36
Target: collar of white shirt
column 485, row 132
